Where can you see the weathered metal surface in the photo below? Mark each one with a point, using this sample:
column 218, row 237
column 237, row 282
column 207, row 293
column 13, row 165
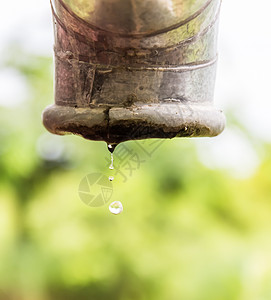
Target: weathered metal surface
column 133, row 69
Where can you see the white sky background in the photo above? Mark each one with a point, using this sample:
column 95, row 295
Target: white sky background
column 243, row 79
column 242, row 86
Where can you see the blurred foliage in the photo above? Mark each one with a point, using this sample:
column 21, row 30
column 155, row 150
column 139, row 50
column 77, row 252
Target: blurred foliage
column 187, row 232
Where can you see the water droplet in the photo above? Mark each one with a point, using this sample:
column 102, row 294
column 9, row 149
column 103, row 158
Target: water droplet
column 111, row 147
column 111, row 178
column 111, row 167
column 116, row 207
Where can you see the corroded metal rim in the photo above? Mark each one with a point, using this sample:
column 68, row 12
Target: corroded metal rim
column 103, row 123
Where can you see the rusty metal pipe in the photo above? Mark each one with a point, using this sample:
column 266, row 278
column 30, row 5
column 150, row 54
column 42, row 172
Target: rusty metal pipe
column 134, row 69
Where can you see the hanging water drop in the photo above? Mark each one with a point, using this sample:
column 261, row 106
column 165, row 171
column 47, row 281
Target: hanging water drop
column 111, row 147
column 116, row 207
column 111, row 178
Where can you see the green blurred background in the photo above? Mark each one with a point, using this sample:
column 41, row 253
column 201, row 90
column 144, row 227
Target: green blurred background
column 196, row 223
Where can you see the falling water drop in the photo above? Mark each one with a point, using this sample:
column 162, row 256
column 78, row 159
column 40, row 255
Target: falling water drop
column 111, row 178
column 116, row 207
column 111, row 167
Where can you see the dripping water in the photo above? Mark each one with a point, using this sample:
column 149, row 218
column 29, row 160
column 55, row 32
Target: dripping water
column 116, row 206
column 111, row 167
column 111, row 147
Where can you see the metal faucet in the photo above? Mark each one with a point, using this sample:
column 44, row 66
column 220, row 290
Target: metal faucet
column 135, row 69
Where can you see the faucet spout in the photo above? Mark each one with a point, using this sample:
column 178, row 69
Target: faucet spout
column 133, row 69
